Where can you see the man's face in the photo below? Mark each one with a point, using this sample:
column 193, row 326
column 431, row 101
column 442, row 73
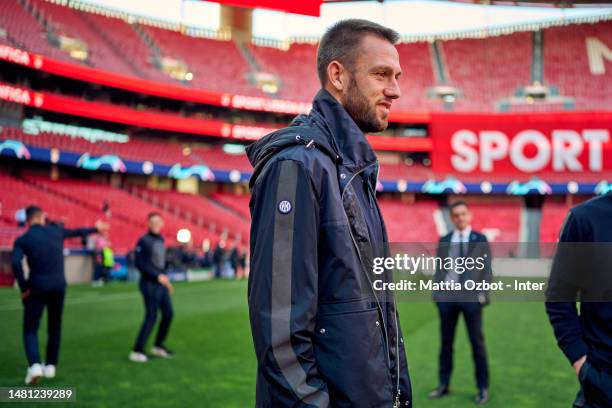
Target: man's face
column 461, row 217
column 156, row 223
column 373, row 84
column 38, row 219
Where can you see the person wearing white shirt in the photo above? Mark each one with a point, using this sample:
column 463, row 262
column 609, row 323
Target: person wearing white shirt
column 461, row 243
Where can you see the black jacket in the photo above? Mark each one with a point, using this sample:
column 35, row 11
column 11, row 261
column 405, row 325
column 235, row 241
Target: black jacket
column 590, row 332
column 322, row 336
column 478, row 248
column 43, row 246
column 150, row 256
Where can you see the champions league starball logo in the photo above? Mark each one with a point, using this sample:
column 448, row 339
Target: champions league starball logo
column 19, row 149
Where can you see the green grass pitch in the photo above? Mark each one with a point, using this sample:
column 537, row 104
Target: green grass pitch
column 215, row 364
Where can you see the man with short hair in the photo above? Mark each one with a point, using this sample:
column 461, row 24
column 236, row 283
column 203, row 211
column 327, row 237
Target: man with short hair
column 155, row 287
column 45, row 287
column 462, row 242
column 323, row 336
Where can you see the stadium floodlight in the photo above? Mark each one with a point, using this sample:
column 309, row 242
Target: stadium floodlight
column 183, row 236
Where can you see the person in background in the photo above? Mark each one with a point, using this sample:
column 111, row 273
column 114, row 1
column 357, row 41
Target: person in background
column 233, row 260
column 462, row 242
column 156, row 290
column 242, row 264
column 206, row 260
column 45, row 287
column 104, row 259
column 219, row 258
column 106, row 209
column 187, row 255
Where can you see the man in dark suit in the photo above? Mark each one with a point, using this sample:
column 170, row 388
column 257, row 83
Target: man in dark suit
column 45, row 287
column 460, row 243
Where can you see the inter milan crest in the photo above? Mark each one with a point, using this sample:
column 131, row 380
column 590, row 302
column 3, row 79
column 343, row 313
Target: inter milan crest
column 284, row 207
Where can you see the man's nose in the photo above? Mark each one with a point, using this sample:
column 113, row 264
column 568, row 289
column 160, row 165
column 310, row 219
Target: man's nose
column 392, row 91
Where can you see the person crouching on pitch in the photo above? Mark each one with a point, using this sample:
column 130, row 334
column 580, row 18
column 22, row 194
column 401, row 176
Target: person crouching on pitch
column 45, row 287
column 156, row 289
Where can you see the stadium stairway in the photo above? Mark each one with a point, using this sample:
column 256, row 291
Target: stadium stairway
column 155, row 51
column 198, row 210
column 112, row 43
column 238, row 203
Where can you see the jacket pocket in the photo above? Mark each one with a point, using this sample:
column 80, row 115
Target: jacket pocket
column 350, row 354
column 593, row 383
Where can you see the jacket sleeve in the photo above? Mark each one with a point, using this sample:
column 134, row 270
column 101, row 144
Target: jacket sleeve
column 16, row 261
column 487, row 272
column 439, row 272
column 142, row 259
column 77, row 232
column 563, row 315
column 283, row 285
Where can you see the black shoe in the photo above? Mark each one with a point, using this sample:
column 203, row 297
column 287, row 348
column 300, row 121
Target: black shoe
column 439, row 392
column 482, row 397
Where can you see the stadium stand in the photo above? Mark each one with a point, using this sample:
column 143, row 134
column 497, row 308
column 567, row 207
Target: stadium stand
column 216, row 158
column 217, row 65
column 173, row 152
column 71, row 24
column 417, row 78
column 65, row 201
column 566, row 64
column 239, row 203
column 18, row 194
column 484, row 71
column 200, row 208
column 553, row 214
column 487, row 70
column 403, row 229
column 498, row 215
column 124, row 37
column 135, row 149
column 135, row 208
column 24, row 31
column 294, row 66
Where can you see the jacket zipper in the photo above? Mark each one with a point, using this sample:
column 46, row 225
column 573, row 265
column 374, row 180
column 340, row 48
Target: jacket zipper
column 397, row 339
column 397, row 356
column 361, row 261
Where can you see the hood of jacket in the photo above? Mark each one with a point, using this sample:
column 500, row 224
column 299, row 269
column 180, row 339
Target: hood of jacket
column 328, row 126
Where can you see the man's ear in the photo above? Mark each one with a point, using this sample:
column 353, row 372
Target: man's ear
column 336, row 76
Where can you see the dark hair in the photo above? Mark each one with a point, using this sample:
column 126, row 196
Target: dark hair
column 153, row 214
column 340, row 43
column 457, row 204
column 32, row 211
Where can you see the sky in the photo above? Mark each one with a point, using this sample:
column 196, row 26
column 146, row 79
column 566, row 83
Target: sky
column 408, row 17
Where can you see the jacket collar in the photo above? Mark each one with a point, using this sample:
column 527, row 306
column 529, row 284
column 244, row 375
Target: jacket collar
column 331, row 117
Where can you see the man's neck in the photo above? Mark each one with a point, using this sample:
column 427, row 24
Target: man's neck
column 333, row 92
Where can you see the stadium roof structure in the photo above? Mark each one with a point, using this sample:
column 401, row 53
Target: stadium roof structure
column 529, row 3
column 306, row 7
